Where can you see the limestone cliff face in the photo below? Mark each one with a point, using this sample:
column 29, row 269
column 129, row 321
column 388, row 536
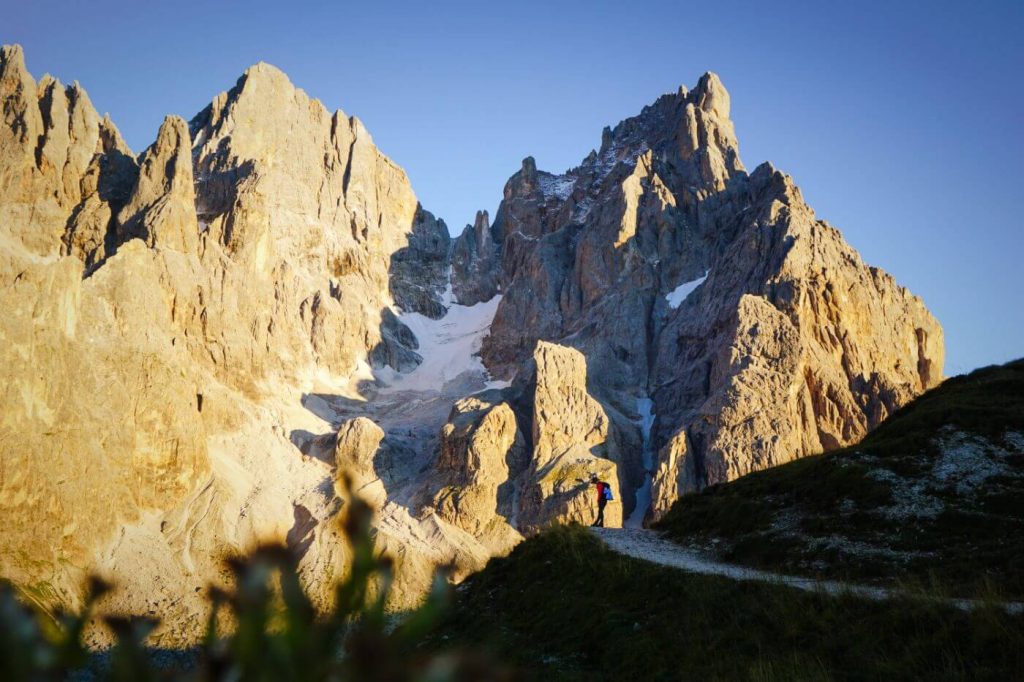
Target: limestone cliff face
column 208, row 345
column 789, row 345
column 102, row 421
column 308, row 217
column 164, row 315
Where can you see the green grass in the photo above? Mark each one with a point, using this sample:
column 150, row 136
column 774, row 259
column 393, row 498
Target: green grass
column 798, row 517
column 563, row 606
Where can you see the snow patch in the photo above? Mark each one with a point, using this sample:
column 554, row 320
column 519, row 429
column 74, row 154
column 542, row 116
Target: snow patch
column 449, row 346
column 448, row 295
column 645, row 407
column 676, row 297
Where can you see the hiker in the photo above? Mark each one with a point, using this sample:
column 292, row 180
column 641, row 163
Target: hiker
column 604, row 493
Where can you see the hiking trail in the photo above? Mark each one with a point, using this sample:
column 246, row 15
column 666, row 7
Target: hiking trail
column 649, row 545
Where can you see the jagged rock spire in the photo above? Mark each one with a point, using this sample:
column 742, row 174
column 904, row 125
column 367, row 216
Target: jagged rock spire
column 161, row 210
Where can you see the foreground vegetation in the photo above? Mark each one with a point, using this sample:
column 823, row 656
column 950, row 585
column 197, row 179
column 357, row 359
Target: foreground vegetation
column 563, row 606
column 895, row 508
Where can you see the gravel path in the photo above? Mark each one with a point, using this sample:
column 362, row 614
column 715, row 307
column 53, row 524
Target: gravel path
column 650, row 546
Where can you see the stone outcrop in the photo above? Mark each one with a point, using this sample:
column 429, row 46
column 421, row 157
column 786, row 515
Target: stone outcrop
column 357, row 444
column 497, row 485
column 565, row 416
column 483, row 455
column 573, row 438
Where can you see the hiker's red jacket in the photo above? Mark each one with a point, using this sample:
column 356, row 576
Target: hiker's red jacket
column 601, row 485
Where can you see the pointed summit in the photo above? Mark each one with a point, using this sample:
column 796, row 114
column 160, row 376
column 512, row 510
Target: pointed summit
column 529, row 170
column 712, row 96
column 12, row 61
column 18, row 90
column 263, row 80
column 161, row 210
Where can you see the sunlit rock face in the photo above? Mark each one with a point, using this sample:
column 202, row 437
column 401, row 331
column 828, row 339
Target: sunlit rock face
column 164, row 316
column 211, row 344
column 573, row 439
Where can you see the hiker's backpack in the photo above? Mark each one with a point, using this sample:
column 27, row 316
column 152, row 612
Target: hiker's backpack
column 608, row 493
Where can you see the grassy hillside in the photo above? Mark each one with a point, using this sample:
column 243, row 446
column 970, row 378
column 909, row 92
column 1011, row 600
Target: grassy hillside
column 934, row 498
column 562, row 606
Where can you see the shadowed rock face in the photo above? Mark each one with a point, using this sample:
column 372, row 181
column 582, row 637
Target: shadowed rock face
column 198, row 343
column 792, row 346
column 476, row 271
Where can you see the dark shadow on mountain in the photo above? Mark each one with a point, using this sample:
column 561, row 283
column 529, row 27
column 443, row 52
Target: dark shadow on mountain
column 416, row 273
column 118, row 174
column 300, row 535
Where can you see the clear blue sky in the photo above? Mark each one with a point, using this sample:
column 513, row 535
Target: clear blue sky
column 903, row 122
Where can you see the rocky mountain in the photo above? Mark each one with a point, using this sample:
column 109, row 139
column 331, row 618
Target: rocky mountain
column 205, row 344
column 756, row 332
column 164, row 316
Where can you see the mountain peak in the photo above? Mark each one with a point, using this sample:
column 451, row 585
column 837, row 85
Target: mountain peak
column 265, row 71
column 12, row 57
column 712, row 96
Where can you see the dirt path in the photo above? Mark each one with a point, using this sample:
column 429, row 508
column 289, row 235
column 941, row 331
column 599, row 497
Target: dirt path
column 650, row 546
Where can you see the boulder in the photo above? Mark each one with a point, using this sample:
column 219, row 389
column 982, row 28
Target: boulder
column 482, row 457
